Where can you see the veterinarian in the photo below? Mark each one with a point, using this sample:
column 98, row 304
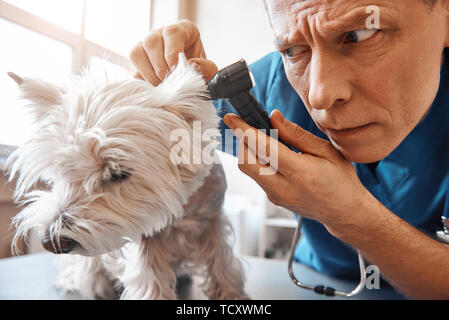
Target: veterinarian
column 369, row 110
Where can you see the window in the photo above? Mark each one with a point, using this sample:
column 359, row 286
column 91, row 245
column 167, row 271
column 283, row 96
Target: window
column 52, row 38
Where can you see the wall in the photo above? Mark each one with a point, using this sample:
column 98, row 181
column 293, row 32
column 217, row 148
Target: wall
column 233, row 29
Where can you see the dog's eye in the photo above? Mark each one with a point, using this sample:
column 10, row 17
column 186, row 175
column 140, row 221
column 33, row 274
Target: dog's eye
column 113, row 173
column 119, row 176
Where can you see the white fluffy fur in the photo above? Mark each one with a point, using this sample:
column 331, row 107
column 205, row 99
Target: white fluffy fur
column 137, row 235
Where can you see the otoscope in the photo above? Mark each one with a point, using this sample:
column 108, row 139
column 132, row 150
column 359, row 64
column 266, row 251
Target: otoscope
column 233, row 83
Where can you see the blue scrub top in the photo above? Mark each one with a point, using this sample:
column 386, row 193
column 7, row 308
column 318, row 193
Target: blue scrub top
column 412, row 181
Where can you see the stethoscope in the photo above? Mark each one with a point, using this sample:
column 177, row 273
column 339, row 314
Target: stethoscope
column 442, row 236
column 320, row 289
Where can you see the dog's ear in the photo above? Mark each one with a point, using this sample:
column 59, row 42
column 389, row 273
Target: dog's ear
column 43, row 95
column 16, row 78
column 184, row 81
column 184, row 89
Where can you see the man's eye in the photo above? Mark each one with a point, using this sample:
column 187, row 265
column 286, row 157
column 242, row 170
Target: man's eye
column 361, row 35
column 294, row 51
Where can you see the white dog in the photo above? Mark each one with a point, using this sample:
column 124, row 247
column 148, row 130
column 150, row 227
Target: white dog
column 133, row 220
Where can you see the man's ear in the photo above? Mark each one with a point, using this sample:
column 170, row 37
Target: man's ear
column 42, row 95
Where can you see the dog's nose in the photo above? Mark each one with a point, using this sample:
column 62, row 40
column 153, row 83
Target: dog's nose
column 61, row 245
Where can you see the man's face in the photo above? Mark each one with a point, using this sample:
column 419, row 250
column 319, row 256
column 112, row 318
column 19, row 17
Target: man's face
column 365, row 89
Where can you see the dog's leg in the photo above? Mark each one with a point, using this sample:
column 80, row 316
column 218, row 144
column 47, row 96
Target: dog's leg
column 224, row 278
column 87, row 276
column 147, row 274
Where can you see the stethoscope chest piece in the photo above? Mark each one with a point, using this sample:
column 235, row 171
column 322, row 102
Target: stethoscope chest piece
column 443, row 235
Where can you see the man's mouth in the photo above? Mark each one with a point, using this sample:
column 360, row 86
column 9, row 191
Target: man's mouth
column 346, row 133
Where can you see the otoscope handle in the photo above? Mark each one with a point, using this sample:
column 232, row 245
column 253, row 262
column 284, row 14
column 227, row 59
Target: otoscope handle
column 251, row 112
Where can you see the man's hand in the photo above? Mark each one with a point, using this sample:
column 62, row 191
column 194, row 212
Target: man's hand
column 317, row 183
column 320, row 184
column 157, row 54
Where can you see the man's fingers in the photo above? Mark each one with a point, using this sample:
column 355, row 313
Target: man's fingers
column 137, row 75
column 158, row 54
column 140, row 60
column 262, row 173
column 255, row 139
column 268, row 150
column 154, row 48
column 174, row 39
column 206, row 67
column 182, row 37
column 302, row 140
column 193, row 45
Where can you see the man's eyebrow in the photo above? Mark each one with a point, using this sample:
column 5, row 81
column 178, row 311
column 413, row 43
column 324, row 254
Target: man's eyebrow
column 280, row 43
column 353, row 20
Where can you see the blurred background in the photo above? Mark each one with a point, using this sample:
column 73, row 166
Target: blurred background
column 53, row 38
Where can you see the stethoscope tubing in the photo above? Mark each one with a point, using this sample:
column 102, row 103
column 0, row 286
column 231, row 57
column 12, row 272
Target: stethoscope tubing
column 320, row 289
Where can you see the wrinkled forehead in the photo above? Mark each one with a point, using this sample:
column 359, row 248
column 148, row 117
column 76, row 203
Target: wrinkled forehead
column 291, row 8
column 286, row 16
column 333, row 9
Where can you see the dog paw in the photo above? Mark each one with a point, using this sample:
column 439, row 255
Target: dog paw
column 97, row 286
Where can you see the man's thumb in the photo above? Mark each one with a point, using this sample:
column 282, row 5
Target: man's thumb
column 300, row 139
column 206, row 67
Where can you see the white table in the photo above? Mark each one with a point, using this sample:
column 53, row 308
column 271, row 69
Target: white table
column 32, row 277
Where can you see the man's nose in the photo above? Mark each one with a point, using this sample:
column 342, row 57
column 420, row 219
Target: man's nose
column 330, row 82
column 58, row 245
